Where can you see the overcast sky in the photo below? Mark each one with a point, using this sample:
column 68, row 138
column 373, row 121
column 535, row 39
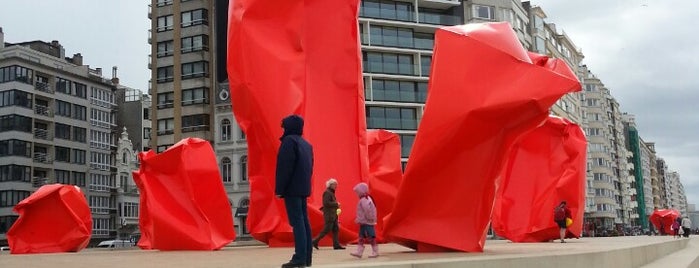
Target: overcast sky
column 645, row 51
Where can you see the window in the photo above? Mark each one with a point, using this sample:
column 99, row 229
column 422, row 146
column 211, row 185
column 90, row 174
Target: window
column 100, row 139
column 387, row 10
column 162, row 148
column 398, row 91
column 166, row 126
column 146, row 133
column 244, row 168
column 63, row 108
column 79, row 112
column 15, row 98
column 195, row 69
column 226, row 169
column 406, row 144
column 484, row 12
column 225, row 130
column 195, row 122
column 166, row 100
column 16, row 73
column 426, row 65
column 101, row 161
column 12, row 197
column 165, row 74
column 389, row 63
column 508, row 16
column 15, row 122
column 6, row 222
column 241, row 134
column 195, row 96
column 161, row 3
column 195, row 17
column 102, row 97
column 64, row 86
column 540, row 45
column 62, row 176
column 80, row 90
column 62, row 131
column 100, row 226
column 164, row 23
column 15, row 173
column 62, row 154
column 538, row 23
column 130, row 210
column 594, row 132
column 78, row 156
column 392, row 118
column 15, row 148
column 195, row 43
column 165, row 48
column 100, row 118
column 100, row 182
column 146, row 113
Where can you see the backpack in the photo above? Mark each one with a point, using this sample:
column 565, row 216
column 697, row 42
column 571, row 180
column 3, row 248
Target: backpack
column 559, row 214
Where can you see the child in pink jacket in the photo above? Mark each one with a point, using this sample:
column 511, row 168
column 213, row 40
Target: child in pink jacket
column 366, row 218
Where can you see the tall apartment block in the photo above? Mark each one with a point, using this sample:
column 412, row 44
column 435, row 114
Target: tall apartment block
column 189, row 88
column 57, row 119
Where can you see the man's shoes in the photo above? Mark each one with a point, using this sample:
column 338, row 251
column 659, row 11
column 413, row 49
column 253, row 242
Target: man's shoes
column 315, row 245
column 338, row 247
column 293, row 265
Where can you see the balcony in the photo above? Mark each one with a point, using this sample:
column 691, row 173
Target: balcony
column 43, row 110
column 150, row 11
column 38, row 181
column 43, row 87
column 439, row 4
column 150, row 36
column 387, row 14
column 44, row 158
column 42, row 134
column 439, row 19
column 150, row 62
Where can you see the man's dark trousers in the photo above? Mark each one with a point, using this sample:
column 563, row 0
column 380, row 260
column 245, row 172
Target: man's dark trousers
column 297, row 211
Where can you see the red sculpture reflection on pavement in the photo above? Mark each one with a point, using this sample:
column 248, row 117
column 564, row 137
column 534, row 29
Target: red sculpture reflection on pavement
column 55, row 218
column 485, row 91
column 662, row 219
column 298, row 57
column 183, row 204
column 546, row 166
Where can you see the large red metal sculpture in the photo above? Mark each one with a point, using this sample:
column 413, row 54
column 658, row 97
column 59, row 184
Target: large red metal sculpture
column 546, row 166
column 662, row 219
column 485, row 91
column 298, row 57
column 183, row 203
column 385, row 173
column 55, row 218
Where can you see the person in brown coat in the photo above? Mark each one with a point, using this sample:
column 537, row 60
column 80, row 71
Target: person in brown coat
column 330, row 207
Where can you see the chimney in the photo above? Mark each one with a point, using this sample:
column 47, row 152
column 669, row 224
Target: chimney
column 78, row 59
column 99, row 71
column 2, row 39
column 115, row 79
column 61, row 51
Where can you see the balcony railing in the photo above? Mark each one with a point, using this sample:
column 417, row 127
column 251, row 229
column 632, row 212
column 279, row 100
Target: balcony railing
column 38, row 182
column 44, row 87
column 43, row 158
column 440, row 19
column 43, row 110
column 42, row 134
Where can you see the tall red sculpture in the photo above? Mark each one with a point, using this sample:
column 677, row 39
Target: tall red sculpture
column 298, row 57
column 183, row 204
column 485, row 91
column 55, row 218
column 546, row 166
column 662, row 219
column 385, row 172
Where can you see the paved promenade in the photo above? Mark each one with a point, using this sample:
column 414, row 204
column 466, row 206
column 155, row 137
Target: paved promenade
column 498, row 253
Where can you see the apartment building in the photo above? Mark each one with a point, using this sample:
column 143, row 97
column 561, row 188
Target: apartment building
column 57, row 122
column 134, row 115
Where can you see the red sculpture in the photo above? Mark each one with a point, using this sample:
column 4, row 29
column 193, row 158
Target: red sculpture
column 546, row 166
column 485, row 91
column 55, row 218
column 664, row 218
column 386, row 173
column 183, row 203
column 298, row 57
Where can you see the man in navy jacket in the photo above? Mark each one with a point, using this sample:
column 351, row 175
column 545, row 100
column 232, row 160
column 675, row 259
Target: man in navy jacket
column 293, row 183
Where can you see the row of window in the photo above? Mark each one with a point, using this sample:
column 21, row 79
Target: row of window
column 189, row 70
column 99, row 204
column 15, row 148
column 102, row 97
column 15, row 97
column 6, row 222
column 72, row 178
column 392, row 118
column 66, row 86
column 187, row 19
column 396, row 91
column 10, row 198
column 396, row 37
column 15, row 173
column 15, row 122
column 101, row 226
column 68, row 155
column 66, row 109
column 404, row 11
column 128, row 210
column 227, row 169
column 101, row 161
column 392, row 63
column 16, row 73
column 190, row 123
column 66, row 132
column 226, row 134
column 189, row 97
column 101, row 182
column 188, row 44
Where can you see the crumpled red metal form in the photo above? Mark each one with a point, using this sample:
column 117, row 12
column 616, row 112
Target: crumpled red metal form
column 664, row 217
column 298, row 57
column 385, row 173
column 55, row 218
column 183, row 204
column 546, row 166
column 485, row 91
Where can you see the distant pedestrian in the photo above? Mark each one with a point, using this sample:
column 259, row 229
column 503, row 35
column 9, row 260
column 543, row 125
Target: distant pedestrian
column 366, row 218
column 330, row 207
column 593, row 227
column 675, row 229
column 687, row 226
column 293, row 183
column 560, row 214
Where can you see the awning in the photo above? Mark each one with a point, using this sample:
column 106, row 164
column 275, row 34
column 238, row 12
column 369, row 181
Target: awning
column 241, row 212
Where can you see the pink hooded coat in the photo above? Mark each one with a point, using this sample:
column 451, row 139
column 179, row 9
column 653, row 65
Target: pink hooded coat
column 366, row 210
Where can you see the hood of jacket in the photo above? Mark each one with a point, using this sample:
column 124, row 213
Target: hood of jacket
column 361, row 189
column 293, row 125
